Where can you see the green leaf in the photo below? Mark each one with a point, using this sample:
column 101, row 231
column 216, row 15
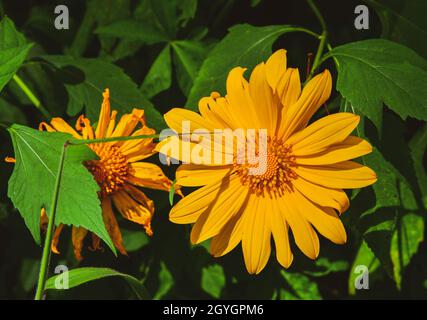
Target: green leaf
column 301, row 287
column 134, row 240
column 80, row 276
column 31, row 185
column 325, row 267
column 159, row 77
column 166, row 282
column 13, row 50
column 405, row 242
column 188, row 57
column 213, row 280
column 188, row 10
column 364, row 257
column 245, row 46
column 403, row 21
column 86, row 79
column 134, row 30
column 418, row 146
column 166, row 14
column 172, row 192
column 376, row 72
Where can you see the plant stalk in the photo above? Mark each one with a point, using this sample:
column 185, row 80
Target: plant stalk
column 44, row 266
column 27, row 91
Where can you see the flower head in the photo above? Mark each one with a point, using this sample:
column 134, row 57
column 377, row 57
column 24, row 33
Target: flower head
column 118, row 172
column 305, row 165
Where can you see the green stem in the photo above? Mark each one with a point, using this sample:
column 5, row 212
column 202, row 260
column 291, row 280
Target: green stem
column 36, row 102
column 44, row 266
column 112, row 139
column 323, row 38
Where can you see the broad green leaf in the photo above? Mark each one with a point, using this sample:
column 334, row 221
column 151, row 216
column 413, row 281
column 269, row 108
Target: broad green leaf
column 213, row 280
column 134, row 240
column 405, row 242
column 301, row 287
column 166, row 282
column 403, row 21
column 418, row 146
column 188, row 57
column 159, row 77
column 245, row 46
column 395, row 191
column 364, row 257
column 376, row 72
column 86, row 79
column 80, row 276
column 13, row 50
column 166, row 15
column 31, row 185
column 135, row 30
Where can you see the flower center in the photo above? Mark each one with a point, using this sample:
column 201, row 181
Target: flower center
column 111, row 170
column 273, row 172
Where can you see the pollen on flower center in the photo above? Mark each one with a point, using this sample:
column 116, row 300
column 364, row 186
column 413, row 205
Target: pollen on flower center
column 111, row 170
column 274, row 176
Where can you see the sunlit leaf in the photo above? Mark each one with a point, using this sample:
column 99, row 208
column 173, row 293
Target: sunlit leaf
column 245, row 45
column 376, row 72
column 213, row 280
column 300, row 287
column 13, row 50
column 80, row 276
column 37, row 156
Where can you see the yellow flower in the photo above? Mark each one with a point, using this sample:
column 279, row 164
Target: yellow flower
column 118, row 171
column 307, row 167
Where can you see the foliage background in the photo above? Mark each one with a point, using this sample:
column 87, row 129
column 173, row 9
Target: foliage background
column 125, row 39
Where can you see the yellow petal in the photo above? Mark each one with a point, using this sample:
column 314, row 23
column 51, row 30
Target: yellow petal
column 188, row 209
column 314, row 94
column 325, row 197
column 55, row 239
column 275, row 68
column 229, row 236
column 112, row 225
column 127, row 124
column 132, row 210
column 323, row 133
column 352, row 147
column 342, row 175
column 280, row 231
column 243, row 111
column 78, row 235
column 83, row 126
column 289, row 88
column 262, row 97
column 104, row 115
column 140, row 149
column 256, row 235
column 325, row 220
column 304, row 234
column 216, row 109
column 190, row 175
column 149, row 175
column 204, row 152
column 60, row 125
column 140, row 197
column 228, row 202
column 178, row 119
